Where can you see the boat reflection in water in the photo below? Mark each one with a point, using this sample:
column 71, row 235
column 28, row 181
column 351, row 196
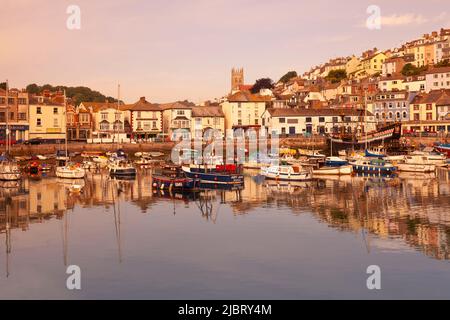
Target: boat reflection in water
column 412, row 209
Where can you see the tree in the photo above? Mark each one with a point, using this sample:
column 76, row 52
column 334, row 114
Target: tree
column 288, row 76
column 411, row 70
column 443, row 63
column 33, row 88
column 3, row 85
column 336, row 76
column 263, row 83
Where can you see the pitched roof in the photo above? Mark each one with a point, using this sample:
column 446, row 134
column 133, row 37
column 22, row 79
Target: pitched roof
column 246, row 96
column 434, row 96
column 438, row 70
column 174, row 105
column 302, row 112
column 97, row 106
column 207, row 112
column 143, row 105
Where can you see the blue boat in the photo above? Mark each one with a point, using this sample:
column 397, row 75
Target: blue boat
column 214, row 177
column 335, row 162
column 373, row 166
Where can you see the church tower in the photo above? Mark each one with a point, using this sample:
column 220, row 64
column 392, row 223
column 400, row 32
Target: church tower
column 237, row 78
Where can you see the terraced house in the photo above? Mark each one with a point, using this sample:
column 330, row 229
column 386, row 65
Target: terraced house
column 47, row 117
column 146, row 120
column 17, row 106
column 392, row 106
column 244, row 110
column 303, row 121
column 177, row 117
column 110, row 122
column 207, row 117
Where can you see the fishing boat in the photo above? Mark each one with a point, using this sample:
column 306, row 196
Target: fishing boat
column 444, row 148
column 373, row 166
column 216, row 176
column 173, row 178
column 286, row 172
column 121, row 168
column 334, row 170
column 416, row 163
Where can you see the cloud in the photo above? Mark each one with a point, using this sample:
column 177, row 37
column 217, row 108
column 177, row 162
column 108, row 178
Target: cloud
column 402, row 20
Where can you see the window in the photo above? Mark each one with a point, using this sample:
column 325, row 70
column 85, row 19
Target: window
column 429, row 116
column 55, row 123
column 104, row 116
column 282, row 120
column 398, row 115
column 239, row 122
column 154, row 125
column 55, row 110
column 38, row 110
column 22, row 116
column 104, row 126
column 416, row 107
column 147, row 126
column 38, row 122
column 139, row 125
column 283, row 130
column 435, row 84
column 180, row 112
column 256, row 121
column 335, row 119
column 429, row 106
column 404, row 115
column 308, row 119
column 292, row 120
column 321, row 119
column 84, row 118
column 239, row 114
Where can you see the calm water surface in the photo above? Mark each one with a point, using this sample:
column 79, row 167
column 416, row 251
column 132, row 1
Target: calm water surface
column 268, row 241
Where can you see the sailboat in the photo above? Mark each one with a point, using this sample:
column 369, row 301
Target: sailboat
column 65, row 168
column 9, row 170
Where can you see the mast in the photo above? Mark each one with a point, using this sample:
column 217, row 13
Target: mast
column 7, row 120
column 65, row 119
column 365, row 116
column 115, row 117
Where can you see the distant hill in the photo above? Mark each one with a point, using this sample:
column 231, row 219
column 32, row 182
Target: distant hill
column 77, row 94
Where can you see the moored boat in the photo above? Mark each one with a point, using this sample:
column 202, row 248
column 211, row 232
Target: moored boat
column 121, row 168
column 444, row 148
column 416, row 163
column 70, row 171
column 373, row 166
column 286, row 172
column 334, row 170
column 214, row 177
column 335, row 162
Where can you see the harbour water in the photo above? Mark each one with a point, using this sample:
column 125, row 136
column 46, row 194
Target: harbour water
column 268, row 241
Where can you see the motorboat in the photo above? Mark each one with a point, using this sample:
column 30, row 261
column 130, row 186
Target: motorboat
column 436, row 158
column 373, row 166
column 286, row 172
column 121, row 168
column 416, row 163
column 172, row 178
column 335, row 162
column 444, row 148
column 70, row 171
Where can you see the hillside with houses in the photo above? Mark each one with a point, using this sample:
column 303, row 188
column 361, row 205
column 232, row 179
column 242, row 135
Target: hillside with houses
column 409, row 84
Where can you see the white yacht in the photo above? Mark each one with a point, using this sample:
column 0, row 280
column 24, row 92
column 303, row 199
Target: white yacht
column 416, row 163
column 289, row 173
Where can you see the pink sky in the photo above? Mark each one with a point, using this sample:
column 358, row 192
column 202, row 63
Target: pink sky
column 177, row 49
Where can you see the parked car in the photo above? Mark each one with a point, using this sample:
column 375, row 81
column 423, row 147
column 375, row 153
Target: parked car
column 11, row 142
column 33, row 141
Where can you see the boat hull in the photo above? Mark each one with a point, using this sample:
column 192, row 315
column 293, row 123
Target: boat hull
column 342, row 170
column 64, row 173
column 373, row 169
column 214, row 177
column 168, row 183
column 407, row 167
